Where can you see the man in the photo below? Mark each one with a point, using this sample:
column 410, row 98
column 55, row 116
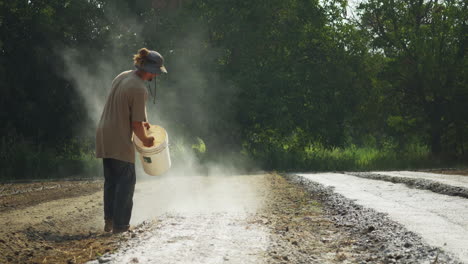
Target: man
column 124, row 115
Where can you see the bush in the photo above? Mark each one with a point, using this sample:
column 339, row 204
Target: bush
column 22, row 159
column 315, row 157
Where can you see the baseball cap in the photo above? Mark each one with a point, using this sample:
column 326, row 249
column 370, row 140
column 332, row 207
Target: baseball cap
column 154, row 63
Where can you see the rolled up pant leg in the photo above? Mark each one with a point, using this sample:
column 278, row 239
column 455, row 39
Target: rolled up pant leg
column 119, row 187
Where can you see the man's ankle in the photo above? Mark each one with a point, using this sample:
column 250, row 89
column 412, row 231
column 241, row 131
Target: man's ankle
column 107, row 225
column 120, row 229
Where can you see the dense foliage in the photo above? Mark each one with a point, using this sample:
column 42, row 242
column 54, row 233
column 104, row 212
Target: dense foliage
column 305, row 85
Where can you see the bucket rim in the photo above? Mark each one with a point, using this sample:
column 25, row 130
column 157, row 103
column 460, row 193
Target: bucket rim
column 153, row 150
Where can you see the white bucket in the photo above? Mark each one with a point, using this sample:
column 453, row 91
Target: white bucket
column 155, row 159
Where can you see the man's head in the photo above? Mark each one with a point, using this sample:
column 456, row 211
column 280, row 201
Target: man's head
column 150, row 63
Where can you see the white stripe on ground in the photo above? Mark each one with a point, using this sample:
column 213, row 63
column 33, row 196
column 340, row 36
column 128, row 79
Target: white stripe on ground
column 441, row 220
column 203, row 238
column 453, row 180
column 201, row 219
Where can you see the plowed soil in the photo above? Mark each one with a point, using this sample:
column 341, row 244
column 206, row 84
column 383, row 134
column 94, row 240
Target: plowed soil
column 52, row 222
column 61, row 222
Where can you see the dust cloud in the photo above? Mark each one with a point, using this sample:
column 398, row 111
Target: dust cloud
column 182, row 107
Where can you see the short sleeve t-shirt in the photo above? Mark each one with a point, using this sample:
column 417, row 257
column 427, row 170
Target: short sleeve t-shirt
column 126, row 103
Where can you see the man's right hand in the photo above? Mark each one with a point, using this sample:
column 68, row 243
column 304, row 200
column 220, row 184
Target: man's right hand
column 139, row 128
column 149, row 142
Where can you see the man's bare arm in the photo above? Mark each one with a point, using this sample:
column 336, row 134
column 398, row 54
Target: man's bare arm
column 139, row 128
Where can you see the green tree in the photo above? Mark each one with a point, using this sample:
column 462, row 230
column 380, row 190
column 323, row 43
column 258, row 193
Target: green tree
column 424, row 43
column 39, row 108
column 299, row 69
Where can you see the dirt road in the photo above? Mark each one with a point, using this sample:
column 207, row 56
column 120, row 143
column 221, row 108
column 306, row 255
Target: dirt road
column 265, row 218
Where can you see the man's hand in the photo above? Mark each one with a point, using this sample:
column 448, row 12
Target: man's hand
column 139, row 128
column 149, row 142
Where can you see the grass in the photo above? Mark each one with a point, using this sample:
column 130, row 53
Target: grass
column 23, row 160
column 353, row 158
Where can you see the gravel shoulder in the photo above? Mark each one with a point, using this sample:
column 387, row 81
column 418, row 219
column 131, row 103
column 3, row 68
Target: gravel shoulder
column 448, row 171
column 300, row 231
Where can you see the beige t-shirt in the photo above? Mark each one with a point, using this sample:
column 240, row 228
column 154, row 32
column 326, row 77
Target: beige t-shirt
column 126, row 103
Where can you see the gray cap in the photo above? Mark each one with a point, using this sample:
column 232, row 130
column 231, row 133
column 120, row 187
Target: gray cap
column 154, row 63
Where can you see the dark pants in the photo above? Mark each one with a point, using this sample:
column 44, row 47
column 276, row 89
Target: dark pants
column 119, row 185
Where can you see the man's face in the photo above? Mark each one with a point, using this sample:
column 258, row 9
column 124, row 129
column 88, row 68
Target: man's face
column 152, row 76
